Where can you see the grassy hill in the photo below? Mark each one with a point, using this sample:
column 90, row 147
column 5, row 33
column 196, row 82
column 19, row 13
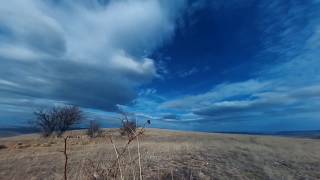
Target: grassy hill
column 163, row 155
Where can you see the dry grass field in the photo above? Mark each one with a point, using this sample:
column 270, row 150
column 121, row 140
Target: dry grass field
column 164, row 155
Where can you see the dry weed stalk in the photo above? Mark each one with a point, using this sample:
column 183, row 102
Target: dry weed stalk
column 135, row 135
column 117, row 154
column 140, row 170
column 133, row 172
column 116, row 165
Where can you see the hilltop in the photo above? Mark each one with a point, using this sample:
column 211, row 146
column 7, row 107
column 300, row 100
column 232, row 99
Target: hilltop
column 164, row 155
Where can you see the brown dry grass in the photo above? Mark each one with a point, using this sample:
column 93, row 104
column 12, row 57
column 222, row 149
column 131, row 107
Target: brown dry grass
column 164, row 155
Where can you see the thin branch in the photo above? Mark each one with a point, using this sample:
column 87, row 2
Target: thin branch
column 135, row 135
column 118, row 159
column 66, row 158
column 140, row 170
column 133, row 172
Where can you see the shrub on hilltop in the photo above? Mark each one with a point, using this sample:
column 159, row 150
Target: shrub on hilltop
column 57, row 119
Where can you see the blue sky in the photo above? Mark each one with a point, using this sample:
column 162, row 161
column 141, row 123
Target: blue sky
column 240, row 65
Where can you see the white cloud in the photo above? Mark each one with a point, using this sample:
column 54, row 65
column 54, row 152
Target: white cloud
column 285, row 84
column 296, row 53
column 219, row 92
column 89, row 53
column 248, row 100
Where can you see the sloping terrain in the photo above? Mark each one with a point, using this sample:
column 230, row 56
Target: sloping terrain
column 163, row 155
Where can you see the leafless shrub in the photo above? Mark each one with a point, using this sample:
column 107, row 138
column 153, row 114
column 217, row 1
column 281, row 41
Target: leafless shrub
column 133, row 135
column 124, row 162
column 45, row 121
column 66, row 117
column 117, row 166
column 128, row 128
column 94, row 129
column 57, row 119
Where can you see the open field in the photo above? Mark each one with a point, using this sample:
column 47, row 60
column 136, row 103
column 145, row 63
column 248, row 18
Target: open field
column 164, row 155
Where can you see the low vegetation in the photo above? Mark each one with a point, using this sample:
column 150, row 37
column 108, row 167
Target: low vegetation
column 94, row 129
column 128, row 128
column 114, row 170
column 163, row 155
column 131, row 152
column 57, row 119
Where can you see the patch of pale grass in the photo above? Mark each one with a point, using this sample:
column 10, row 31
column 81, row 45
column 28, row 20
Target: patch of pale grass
column 164, row 154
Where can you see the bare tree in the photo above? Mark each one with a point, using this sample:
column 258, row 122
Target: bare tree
column 66, row 117
column 45, row 122
column 57, row 119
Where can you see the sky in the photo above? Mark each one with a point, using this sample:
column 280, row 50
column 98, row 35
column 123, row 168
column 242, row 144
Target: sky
column 201, row 65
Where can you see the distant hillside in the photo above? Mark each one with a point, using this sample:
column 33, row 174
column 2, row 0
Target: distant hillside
column 303, row 134
column 314, row 134
column 14, row 131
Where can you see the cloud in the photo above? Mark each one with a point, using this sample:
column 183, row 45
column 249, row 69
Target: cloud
column 291, row 43
column 280, row 93
column 219, row 92
column 190, row 72
column 89, row 53
column 96, row 54
column 286, row 80
column 147, row 92
column 185, row 109
column 250, row 100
